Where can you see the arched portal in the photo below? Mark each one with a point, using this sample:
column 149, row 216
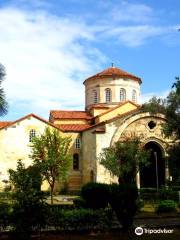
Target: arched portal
column 154, row 174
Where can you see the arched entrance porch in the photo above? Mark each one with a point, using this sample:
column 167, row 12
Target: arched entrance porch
column 154, row 174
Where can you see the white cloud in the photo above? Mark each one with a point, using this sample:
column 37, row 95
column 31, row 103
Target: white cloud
column 133, row 36
column 132, row 12
column 47, row 57
column 44, row 59
column 147, row 96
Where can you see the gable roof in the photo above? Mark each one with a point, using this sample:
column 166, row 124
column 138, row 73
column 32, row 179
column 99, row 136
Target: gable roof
column 61, row 114
column 114, row 72
column 25, row 117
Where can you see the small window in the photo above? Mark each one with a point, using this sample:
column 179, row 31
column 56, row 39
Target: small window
column 77, row 143
column 95, row 96
column 76, row 161
column 122, row 95
column 108, row 95
column 32, row 134
column 134, row 96
column 151, row 124
column 92, row 176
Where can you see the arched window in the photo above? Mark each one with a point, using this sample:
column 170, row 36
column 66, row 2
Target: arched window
column 92, row 176
column 134, row 96
column 95, row 96
column 76, row 161
column 32, row 134
column 122, row 95
column 108, row 95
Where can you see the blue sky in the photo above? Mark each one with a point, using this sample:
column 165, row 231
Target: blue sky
column 49, row 47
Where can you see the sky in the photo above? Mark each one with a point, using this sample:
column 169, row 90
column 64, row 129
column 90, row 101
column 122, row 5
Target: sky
column 49, row 48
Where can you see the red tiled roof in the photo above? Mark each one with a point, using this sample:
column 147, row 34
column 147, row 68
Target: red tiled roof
column 4, row 124
column 114, row 72
column 73, row 127
column 69, row 114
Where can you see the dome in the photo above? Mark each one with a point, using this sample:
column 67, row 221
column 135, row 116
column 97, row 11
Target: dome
column 111, row 87
column 114, row 72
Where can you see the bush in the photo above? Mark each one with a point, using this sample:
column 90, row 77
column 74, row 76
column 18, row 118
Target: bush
column 5, row 213
column 140, row 204
column 166, row 206
column 78, row 219
column 123, row 199
column 79, row 203
column 168, row 194
column 96, row 195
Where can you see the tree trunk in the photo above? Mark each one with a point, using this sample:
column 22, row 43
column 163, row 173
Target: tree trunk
column 52, row 187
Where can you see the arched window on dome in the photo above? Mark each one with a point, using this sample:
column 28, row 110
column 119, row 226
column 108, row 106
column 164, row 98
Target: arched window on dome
column 108, row 95
column 95, row 96
column 134, row 96
column 122, row 95
column 76, row 161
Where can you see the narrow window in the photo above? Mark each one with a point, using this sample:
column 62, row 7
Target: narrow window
column 92, row 176
column 95, row 96
column 134, row 96
column 76, row 161
column 108, row 95
column 32, row 134
column 77, row 143
column 122, row 95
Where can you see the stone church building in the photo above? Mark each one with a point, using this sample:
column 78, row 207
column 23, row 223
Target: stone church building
column 112, row 113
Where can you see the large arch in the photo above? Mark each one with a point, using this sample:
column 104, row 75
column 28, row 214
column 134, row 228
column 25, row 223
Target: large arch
column 129, row 120
column 154, row 175
column 151, row 137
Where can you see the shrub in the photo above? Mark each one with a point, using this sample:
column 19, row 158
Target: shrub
column 123, row 201
column 5, row 211
column 96, row 195
column 79, row 219
column 79, row 203
column 168, row 194
column 140, row 204
column 166, row 206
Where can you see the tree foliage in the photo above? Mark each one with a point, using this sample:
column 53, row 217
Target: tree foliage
column 125, row 159
column 50, row 153
column 3, row 103
column 123, row 201
column 174, row 163
column 29, row 207
column 172, row 127
column 155, row 105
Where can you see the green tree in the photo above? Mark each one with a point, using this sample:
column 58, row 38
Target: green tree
column 29, row 206
column 3, row 103
column 125, row 159
column 50, row 152
column 154, row 106
column 172, row 127
column 174, row 163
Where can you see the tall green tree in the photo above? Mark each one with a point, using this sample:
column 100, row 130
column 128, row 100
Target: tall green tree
column 3, row 103
column 172, row 127
column 125, row 159
column 50, row 153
